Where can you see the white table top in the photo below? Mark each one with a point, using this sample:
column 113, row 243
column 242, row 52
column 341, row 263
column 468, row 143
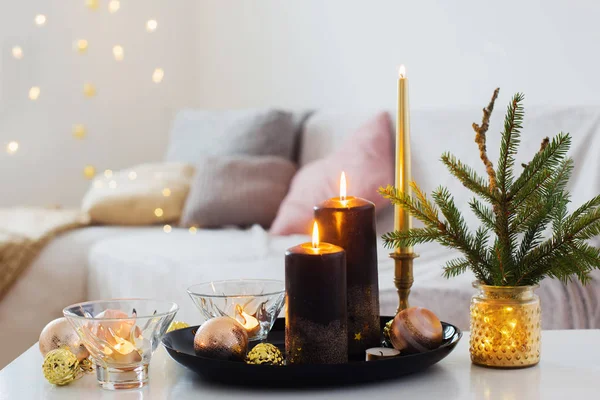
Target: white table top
column 569, row 369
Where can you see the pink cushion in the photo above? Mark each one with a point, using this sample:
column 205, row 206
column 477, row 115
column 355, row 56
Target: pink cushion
column 367, row 157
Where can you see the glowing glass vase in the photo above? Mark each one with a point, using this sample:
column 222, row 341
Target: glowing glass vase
column 505, row 326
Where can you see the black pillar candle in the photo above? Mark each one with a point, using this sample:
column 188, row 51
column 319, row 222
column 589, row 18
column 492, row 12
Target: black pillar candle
column 349, row 222
column 315, row 295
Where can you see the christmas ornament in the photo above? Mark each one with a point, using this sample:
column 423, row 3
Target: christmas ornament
column 61, row 367
column 222, row 338
column 415, row 330
column 265, row 353
column 386, row 330
column 59, row 333
column 175, row 325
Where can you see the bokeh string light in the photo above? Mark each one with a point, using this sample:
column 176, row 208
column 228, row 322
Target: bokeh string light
column 114, row 6
column 158, row 75
column 81, row 46
column 118, row 52
column 17, row 52
column 12, row 147
column 40, row 20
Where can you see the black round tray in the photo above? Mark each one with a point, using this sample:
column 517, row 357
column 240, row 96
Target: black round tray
column 180, row 346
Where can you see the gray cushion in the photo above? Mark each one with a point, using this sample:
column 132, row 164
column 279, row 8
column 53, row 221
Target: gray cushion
column 197, row 133
column 237, row 190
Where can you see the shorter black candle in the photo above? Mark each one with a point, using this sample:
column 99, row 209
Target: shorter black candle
column 316, row 318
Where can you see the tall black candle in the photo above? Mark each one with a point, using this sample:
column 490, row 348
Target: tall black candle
column 349, row 222
column 315, row 295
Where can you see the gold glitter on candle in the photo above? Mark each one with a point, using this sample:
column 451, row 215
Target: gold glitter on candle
column 166, row 192
column 193, row 230
column 158, row 212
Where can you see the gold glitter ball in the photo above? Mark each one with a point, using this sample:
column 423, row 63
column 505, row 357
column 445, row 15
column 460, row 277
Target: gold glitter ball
column 166, row 192
column 386, row 330
column 158, row 212
column 177, row 325
column 61, row 367
column 265, row 353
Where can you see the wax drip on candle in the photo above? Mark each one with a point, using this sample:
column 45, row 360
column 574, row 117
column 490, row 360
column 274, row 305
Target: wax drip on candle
column 343, row 187
column 315, row 236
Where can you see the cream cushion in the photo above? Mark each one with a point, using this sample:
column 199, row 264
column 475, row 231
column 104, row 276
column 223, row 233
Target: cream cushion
column 133, row 196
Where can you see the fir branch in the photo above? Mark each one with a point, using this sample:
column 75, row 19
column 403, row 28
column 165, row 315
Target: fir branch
column 480, row 139
column 543, row 161
column 514, row 214
column 511, row 138
column 485, row 214
column 469, row 178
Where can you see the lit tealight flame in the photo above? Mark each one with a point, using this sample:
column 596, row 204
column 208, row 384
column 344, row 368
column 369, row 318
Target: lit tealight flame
column 248, row 321
column 315, row 236
column 343, row 187
column 402, row 72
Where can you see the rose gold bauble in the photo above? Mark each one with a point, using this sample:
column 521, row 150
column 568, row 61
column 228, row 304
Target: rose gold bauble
column 416, row 330
column 221, row 338
column 60, row 333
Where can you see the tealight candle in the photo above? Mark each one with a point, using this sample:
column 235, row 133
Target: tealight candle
column 315, row 296
column 349, row 222
column 380, row 353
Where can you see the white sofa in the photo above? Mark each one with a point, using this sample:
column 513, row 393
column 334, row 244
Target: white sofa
column 109, row 262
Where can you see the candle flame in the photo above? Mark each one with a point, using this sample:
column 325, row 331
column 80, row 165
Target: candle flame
column 402, row 71
column 315, row 236
column 248, row 321
column 343, row 187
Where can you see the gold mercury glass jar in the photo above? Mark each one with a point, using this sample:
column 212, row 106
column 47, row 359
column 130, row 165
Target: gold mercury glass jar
column 505, row 326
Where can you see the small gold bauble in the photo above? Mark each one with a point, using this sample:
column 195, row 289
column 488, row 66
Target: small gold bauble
column 386, row 330
column 175, row 325
column 221, row 338
column 415, row 330
column 61, row 367
column 59, row 333
column 265, row 353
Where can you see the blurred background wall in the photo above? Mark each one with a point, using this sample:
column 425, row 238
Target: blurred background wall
column 299, row 54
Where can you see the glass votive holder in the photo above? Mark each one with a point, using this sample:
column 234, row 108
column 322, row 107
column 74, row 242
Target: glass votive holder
column 505, row 326
column 254, row 303
column 121, row 336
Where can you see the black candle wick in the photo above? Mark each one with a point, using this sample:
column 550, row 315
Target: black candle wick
column 381, row 352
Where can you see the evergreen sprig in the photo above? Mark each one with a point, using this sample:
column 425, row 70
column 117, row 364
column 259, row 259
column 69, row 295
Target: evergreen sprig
column 512, row 246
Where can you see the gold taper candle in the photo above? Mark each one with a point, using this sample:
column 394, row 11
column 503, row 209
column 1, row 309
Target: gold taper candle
column 402, row 220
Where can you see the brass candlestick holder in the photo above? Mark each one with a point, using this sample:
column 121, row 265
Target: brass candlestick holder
column 403, row 277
